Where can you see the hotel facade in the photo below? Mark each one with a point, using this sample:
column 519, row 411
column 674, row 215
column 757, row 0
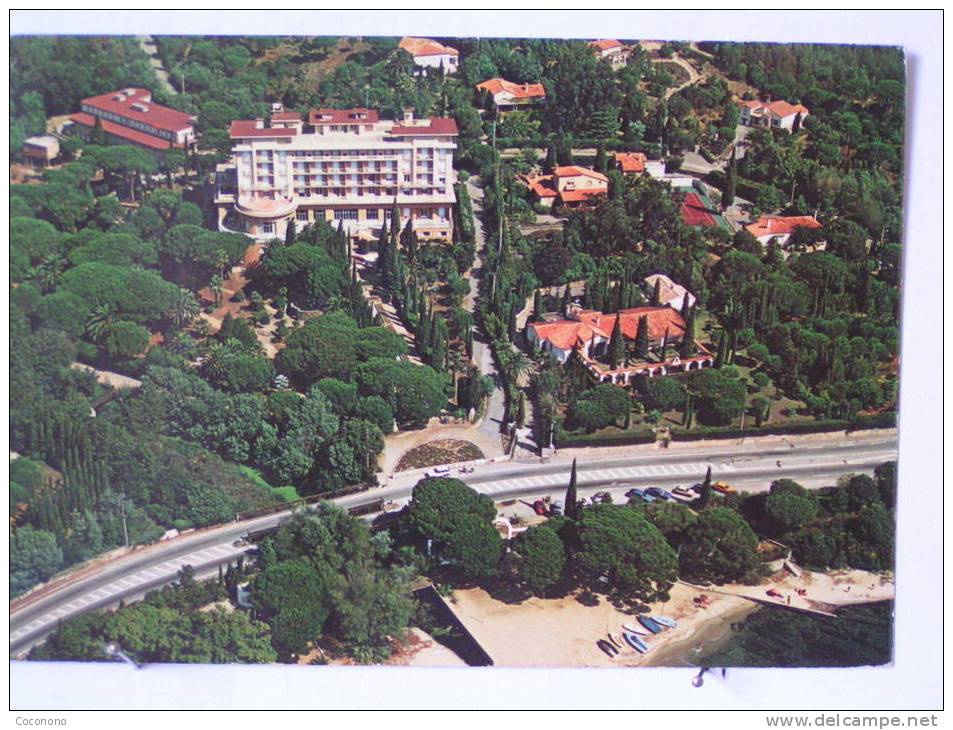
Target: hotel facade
column 339, row 165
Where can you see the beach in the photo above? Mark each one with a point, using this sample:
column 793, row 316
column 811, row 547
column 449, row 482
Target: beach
column 563, row 632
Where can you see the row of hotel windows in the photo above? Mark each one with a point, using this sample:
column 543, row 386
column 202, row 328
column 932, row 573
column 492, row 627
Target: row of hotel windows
column 134, row 123
column 375, row 214
column 422, row 153
column 360, row 192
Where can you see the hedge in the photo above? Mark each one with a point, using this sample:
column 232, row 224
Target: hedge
column 621, row 438
column 650, row 148
column 882, row 420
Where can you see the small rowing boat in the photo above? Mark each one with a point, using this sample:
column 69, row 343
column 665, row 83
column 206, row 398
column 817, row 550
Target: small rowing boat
column 636, row 629
column 665, row 621
column 651, row 625
column 635, row 642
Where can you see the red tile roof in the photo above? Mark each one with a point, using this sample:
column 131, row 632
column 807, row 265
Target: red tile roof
column 425, row 47
column 518, row 91
column 578, row 196
column 286, row 117
column 441, row 126
column 121, row 103
column 575, row 171
column 343, row 116
column 541, row 185
column 568, row 333
column 127, row 133
column 779, row 108
column 606, row 44
column 776, row 225
column 631, row 161
column 694, row 212
column 246, row 128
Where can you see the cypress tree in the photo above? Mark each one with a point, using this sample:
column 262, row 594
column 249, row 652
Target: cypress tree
column 571, row 508
column 642, row 338
column 720, row 357
column 537, row 306
column 567, row 299
column 705, row 496
column 664, row 354
column 616, row 345
column 730, row 183
column 551, row 160
column 688, row 338
column 512, row 323
column 657, row 294
column 290, row 232
column 521, row 410
column 423, row 331
column 601, row 163
column 685, row 307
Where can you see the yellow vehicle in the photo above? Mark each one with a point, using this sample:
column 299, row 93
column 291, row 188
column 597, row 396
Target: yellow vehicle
column 724, row 488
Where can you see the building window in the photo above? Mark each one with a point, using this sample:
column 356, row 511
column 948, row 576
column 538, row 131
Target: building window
column 373, row 214
column 267, row 227
column 346, row 215
column 302, row 215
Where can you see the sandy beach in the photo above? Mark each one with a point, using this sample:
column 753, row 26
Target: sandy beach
column 563, row 632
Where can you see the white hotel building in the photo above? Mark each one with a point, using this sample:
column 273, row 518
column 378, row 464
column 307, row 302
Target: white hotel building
column 342, row 165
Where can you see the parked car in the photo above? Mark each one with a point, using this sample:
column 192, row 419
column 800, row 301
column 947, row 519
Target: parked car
column 603, row 497
column 685, row 492
column 539, row 507
column 555, row 509
column 660, row 493
column 437, row 471
column 723, row 488
column 641, row 494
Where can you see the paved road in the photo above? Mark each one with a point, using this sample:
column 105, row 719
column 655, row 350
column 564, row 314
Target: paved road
column 148, row 45
column 750, row 467
column 482, row 355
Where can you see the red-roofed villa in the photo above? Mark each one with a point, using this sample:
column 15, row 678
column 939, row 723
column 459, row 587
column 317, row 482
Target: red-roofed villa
column 589, row 332
column 569, row 186
column 508, row 96
column 780, row 227
column 774, row 114
column 430, row 55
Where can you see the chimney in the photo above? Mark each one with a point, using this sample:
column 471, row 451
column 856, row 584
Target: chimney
column 408, row 114
column 277, row 107
column 259, row 123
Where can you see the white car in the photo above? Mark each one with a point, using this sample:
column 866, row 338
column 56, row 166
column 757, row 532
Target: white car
column 437, row 471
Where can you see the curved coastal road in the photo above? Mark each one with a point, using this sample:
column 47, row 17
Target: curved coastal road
column 750, row 467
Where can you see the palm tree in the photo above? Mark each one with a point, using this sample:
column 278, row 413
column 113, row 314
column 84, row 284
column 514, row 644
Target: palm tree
column 48, row 272
column 184, row 309
column 100, row 322
column 216, row 358
column 514, row 364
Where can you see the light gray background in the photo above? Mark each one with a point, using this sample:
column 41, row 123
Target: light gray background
column 913, row 682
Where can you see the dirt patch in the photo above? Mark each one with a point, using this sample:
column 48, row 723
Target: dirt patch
column 442, row 451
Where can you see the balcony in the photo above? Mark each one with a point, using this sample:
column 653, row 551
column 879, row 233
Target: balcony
column 265, row 207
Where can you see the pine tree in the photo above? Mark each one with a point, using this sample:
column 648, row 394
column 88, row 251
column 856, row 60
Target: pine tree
column 642, row 338
column 687, row 348
column 616, row 345
column 571, row 508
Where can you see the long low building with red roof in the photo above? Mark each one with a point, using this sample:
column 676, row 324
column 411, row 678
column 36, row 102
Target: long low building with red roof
column 129, row 116
column 780, row 227
column 344, row 166
column 588, row 333
column 774, row 114
column 508, row 96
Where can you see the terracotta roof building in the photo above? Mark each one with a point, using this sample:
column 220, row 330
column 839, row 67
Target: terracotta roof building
column 508, row 95
column 569, row 185
column 611, row 50
column 780, row 228
column 775, row 114
column 129, row 116
column 430, row 54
